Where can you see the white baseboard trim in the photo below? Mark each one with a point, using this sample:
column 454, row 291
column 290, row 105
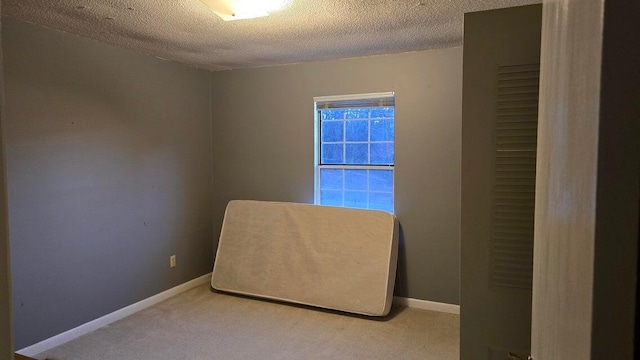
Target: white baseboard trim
column 427, row 305
column 110, row 318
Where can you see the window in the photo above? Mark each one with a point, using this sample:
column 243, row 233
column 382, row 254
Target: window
column 355, row 151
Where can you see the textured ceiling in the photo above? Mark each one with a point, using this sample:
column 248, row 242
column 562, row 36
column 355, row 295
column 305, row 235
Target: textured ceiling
column 186, row 31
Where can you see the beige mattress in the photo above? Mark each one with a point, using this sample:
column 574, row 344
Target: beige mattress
column 334, row 258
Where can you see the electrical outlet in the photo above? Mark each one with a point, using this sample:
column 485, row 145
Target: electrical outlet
column 172, row 261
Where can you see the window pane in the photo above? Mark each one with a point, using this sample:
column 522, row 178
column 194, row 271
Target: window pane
column 356, row 199
column 331, row 197
column 355, row 179
column 357, row 130
column 332, row 154
column 381, row 201
column 381, row 180
column 377, row 113
column 382, row 130
column 382, row 154
column 357, row 154
column 331, row 114
column 331, row 179
column 356, row 113
column 385, row 112
column 332, row 131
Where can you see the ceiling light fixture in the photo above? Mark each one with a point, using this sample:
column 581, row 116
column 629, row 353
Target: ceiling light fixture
column 230, row 10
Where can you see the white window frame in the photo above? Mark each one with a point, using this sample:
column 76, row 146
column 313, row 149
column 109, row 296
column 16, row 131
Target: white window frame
column 317, row 143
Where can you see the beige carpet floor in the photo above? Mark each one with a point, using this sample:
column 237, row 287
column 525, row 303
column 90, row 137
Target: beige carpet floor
column 200, row 324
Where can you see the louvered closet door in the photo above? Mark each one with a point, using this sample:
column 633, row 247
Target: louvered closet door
column 515, row 129
column 499, row 127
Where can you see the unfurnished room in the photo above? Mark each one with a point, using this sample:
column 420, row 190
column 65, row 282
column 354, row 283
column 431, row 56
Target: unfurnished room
column 319, row 179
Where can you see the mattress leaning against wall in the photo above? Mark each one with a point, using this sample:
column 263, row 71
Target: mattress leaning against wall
column 329, row 257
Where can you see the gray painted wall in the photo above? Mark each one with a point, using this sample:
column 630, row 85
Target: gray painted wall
column 6, row 346
column 109, row 173
column 263, row 136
